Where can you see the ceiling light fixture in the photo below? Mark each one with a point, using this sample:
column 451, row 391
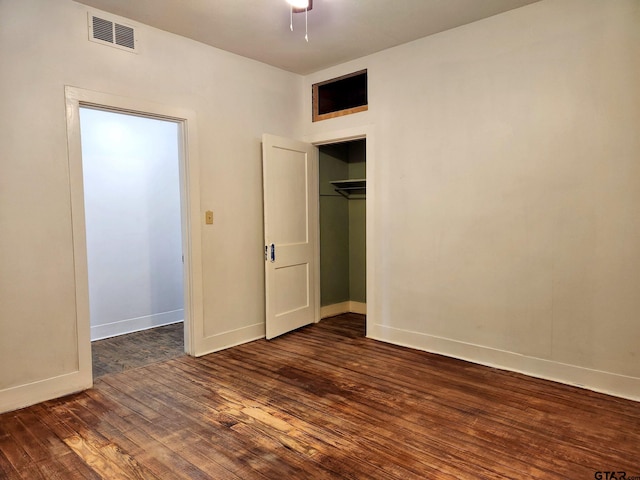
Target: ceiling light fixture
column 302, row 4
column 298, row 6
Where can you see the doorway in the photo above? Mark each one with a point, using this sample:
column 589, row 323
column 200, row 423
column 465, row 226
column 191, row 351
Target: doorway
column 133, row 235
column 189, row 187
column 291, row 175
column 342, row 192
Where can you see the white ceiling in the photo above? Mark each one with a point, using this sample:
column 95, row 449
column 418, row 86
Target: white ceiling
column 339, row 30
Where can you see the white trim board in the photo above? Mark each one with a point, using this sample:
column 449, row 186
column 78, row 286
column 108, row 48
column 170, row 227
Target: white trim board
column 596, row 380
column 190, row 205
column 22, row 396
column 358, row 307
column 130, row 325
column 233, row 338
column 343, row 307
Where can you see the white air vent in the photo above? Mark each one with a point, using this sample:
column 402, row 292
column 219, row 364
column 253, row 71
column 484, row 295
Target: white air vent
column 109, row 32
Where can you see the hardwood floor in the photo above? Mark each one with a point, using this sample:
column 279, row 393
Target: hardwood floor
column 322, row 402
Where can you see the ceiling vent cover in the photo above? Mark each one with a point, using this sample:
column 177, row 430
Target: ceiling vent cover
column 108, row 32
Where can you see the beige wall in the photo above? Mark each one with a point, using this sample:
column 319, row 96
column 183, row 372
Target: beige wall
column 43, row 47
column 506, row 191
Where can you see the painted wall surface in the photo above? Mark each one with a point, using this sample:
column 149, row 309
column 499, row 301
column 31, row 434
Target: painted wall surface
column 342, row 226
column 235, row 99
column 334, row 226
column 133, row 225
column 507, row 191
column 357, row 226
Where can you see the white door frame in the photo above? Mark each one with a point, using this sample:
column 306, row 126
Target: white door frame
column 339, row 136
column 190, row 211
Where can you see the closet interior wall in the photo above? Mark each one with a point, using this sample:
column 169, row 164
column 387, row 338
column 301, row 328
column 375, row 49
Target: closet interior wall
column 342, row 227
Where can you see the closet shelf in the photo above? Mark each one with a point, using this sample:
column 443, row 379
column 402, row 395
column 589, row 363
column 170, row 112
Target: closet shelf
column 347, row 188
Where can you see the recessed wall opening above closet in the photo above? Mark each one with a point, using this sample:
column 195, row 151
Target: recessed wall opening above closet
column 340, row 96
column 342, row 176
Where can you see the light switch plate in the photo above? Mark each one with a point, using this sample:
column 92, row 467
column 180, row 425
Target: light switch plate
column 208, row 217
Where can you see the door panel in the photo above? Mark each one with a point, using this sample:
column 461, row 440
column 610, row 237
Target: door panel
column 291, row 288
column 289, row 198
column 290, row 225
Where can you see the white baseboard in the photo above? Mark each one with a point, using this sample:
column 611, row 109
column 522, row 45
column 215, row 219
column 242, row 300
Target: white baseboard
column 42, row 390
column 130, row 325
column 596, row 380
column 343, row 307
column 358, row 307
column 334, row 309
column 231, row 338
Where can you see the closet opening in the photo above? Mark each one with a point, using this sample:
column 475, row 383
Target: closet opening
column 342, row 190
column 133, row 219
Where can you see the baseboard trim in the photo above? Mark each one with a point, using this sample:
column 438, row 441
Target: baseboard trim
column 595, row 380
column 358, row 307
column 343, row 307
column 130, row 325
column 334, row 309
column 230, row 338
column 39, row 391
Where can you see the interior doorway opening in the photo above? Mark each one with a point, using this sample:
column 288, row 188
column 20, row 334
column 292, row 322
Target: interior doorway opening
column 133, row 221
column 343, row 205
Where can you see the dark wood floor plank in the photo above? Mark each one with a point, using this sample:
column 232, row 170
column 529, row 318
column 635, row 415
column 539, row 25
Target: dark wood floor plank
column 289, row 431
column 31, row 444
column 140, row 437
column 154, row 438
column 53, row 446
column 334, row 435
column 53, row 469
column 116, row 450
column 370, row 395
column 183, row 442
column 572, row 467
column 7, row 468
column 359, row 431
column 78, row 469
column 190, row 444
column 93, row 448
column 516, row 406
column 14, row 453
column 244, row 425
column 321, row 402
column 215, row 375
column 375, row 418
column 236, row 422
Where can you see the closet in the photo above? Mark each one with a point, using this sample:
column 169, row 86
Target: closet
column 342, row 177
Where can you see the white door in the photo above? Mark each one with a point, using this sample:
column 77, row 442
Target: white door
column 290, row 231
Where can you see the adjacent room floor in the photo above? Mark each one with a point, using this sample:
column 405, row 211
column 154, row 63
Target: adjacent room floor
column 124, row 352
